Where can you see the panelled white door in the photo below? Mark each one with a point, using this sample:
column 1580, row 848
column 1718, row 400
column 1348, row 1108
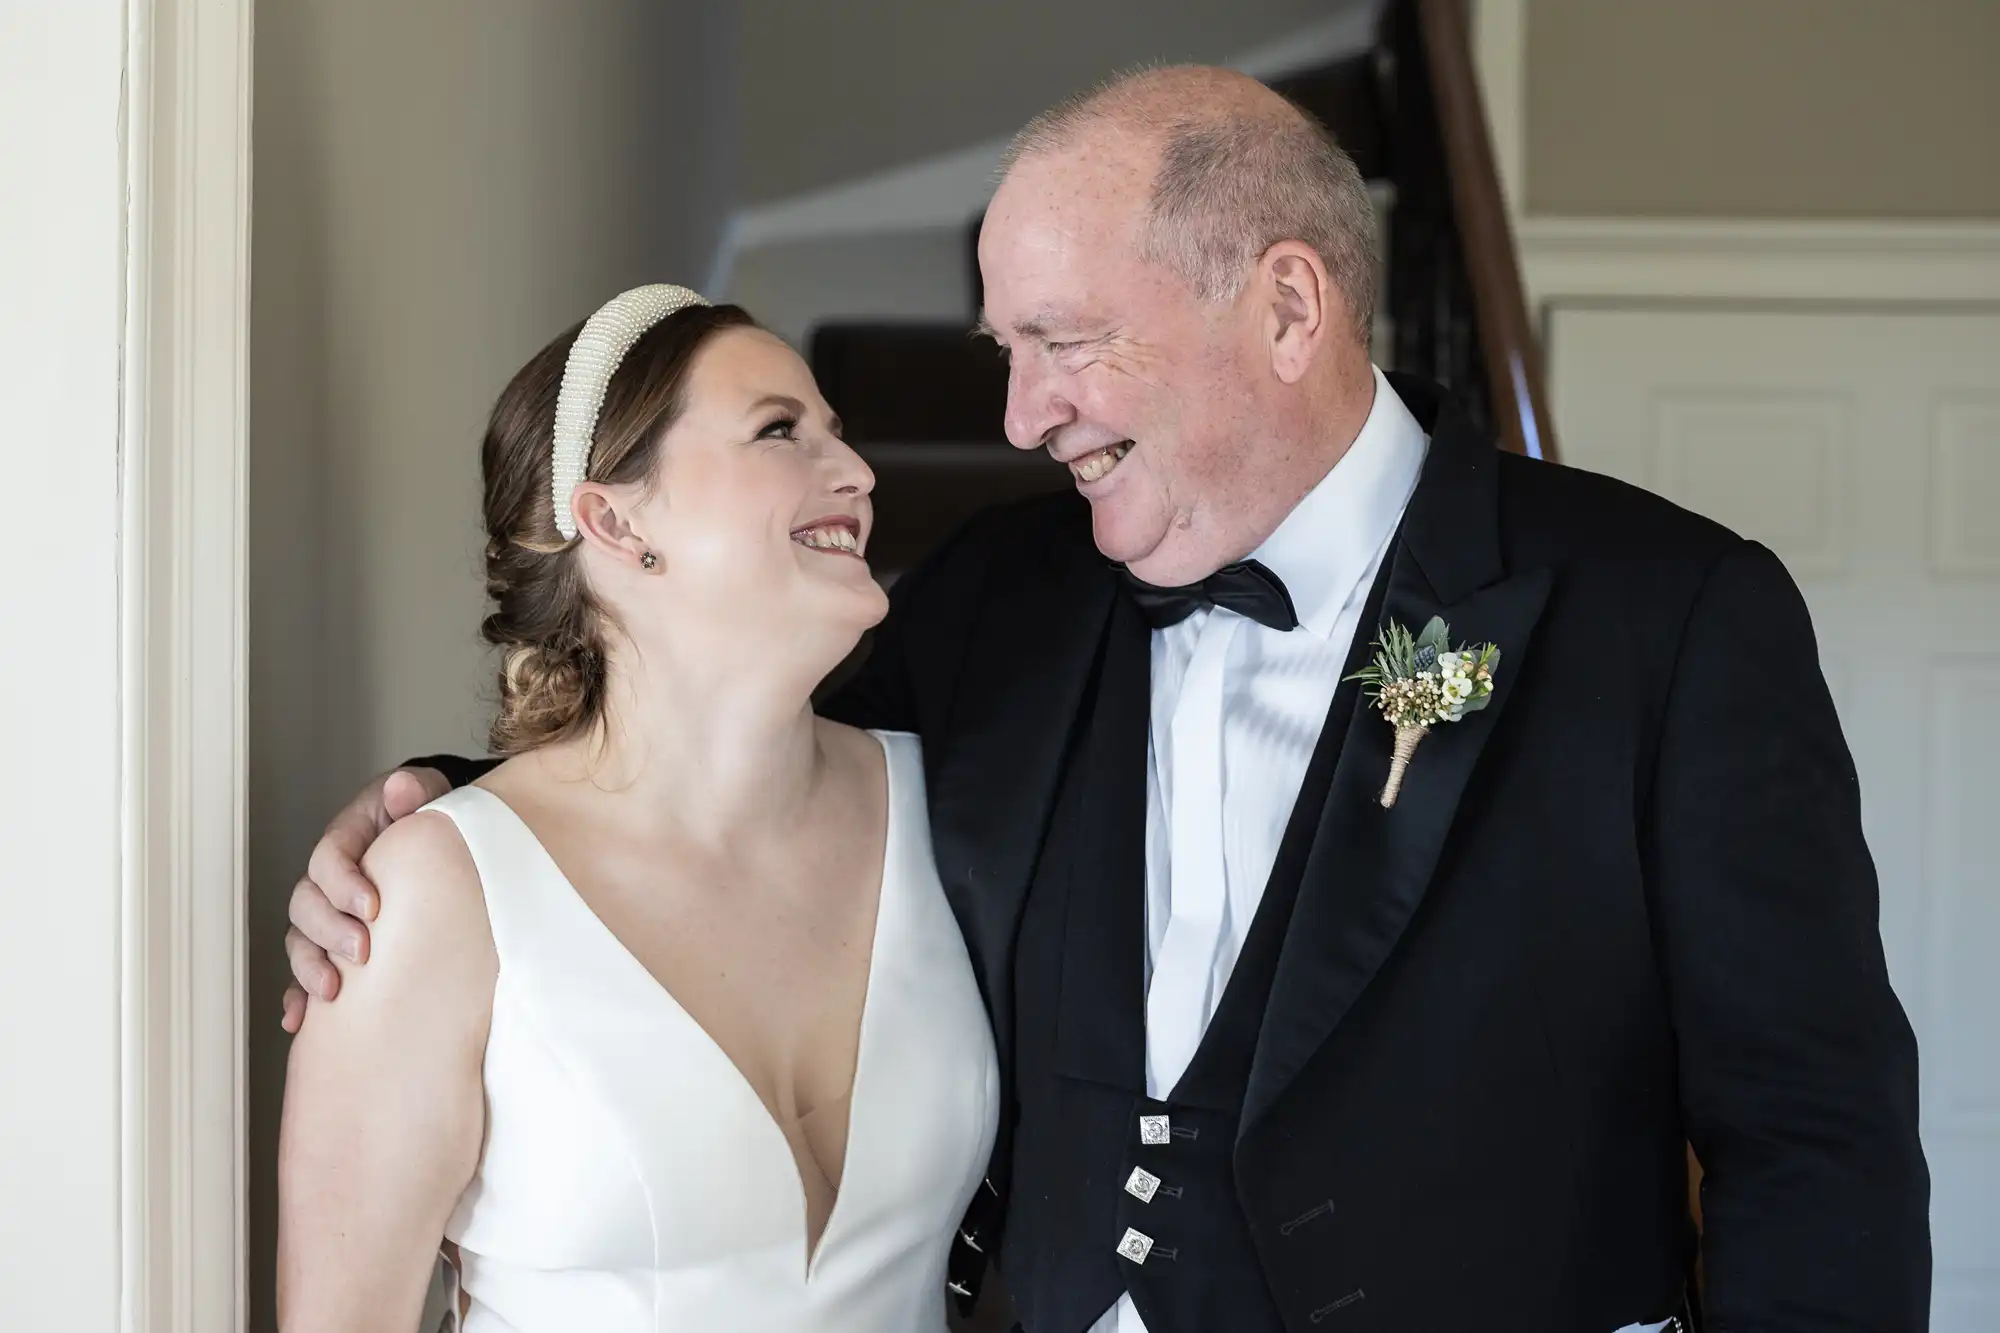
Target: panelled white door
column 1864, row 448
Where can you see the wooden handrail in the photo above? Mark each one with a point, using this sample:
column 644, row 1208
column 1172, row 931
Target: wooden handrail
column 1507, row 340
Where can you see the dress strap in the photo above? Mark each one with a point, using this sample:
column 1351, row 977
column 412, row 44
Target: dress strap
column 525, row 890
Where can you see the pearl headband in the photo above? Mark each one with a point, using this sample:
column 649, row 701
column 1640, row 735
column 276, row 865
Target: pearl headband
column 593, row 359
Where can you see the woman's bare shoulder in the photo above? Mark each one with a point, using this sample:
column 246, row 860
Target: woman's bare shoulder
column 433, row 909
column 427, row 850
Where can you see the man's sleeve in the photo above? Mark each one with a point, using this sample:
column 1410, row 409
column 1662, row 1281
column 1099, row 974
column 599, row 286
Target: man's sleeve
column 1798, row 1070
column 457, row 770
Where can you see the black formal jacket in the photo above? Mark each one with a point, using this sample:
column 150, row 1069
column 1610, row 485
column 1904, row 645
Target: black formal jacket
column 1625, row 907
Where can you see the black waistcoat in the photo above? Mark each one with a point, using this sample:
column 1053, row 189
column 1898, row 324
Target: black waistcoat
column 1080, row 1057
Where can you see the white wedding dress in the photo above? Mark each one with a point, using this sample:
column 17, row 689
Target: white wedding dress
column 633, row 1180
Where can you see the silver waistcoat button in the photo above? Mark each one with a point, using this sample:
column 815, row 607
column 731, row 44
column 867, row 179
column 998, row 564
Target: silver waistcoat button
column 1142, row 1185
column 1136, row 1246
column 1155, row 1130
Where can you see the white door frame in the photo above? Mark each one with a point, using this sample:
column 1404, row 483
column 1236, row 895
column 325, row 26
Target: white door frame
column 184, row 636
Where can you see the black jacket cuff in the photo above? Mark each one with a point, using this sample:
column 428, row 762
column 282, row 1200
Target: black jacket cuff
column 458, row 771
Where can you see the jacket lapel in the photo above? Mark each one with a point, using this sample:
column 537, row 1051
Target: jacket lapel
column 1101, row 827
column 1369, row 868
column 993, row 780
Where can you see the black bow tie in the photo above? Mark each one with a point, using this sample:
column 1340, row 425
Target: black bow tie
column 1247, row 588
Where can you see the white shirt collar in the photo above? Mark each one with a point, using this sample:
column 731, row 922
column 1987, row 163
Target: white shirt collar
column 1331, row 539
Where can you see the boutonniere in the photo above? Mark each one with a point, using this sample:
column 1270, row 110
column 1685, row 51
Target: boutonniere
column 1419, row 681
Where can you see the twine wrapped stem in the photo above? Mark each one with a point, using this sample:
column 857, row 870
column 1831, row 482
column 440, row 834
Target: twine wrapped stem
column 1407, row 737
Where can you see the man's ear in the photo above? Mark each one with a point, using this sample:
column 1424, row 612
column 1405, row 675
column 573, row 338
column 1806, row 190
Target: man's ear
column 1303, row 306
column 602, row 523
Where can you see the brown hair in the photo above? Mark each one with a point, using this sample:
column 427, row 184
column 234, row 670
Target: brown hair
column 548, row 626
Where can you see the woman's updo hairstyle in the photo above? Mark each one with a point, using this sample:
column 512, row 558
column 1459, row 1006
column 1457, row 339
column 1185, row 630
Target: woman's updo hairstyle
column 548, row 627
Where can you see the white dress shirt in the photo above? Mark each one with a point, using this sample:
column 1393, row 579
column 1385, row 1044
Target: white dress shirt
column 1228, row 688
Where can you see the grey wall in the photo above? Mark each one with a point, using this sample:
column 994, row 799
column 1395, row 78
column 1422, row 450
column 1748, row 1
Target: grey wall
column 1764, row 108
column 440, row 189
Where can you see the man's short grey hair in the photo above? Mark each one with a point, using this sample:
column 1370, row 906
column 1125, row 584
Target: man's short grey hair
column 1232, row 181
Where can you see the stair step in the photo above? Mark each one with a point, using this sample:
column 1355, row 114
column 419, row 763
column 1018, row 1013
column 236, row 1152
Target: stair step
column 902, row 382
column 923, row 492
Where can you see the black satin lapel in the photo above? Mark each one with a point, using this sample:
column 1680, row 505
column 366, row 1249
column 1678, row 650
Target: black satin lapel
column 1452, row 528
column 993, row 776
column 1101, row 1020
column 1369, row 867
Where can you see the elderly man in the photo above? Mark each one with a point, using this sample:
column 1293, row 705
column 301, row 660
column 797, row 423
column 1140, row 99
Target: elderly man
column 1287, row 1046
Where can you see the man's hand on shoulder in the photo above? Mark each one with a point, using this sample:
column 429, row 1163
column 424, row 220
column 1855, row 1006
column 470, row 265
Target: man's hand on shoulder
column 332, row 904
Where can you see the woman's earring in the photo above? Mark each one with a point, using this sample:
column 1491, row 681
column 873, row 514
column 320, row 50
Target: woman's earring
column 649, row 562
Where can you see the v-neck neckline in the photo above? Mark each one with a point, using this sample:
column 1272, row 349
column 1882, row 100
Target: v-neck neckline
column 810, row 1248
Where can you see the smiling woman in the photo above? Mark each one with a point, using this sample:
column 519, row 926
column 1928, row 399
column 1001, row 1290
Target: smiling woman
column 549, row 629
column 740, row 441
column 619, row 1041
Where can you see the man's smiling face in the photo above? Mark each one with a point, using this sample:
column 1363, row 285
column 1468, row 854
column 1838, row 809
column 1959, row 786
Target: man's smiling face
column 1117, row 366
